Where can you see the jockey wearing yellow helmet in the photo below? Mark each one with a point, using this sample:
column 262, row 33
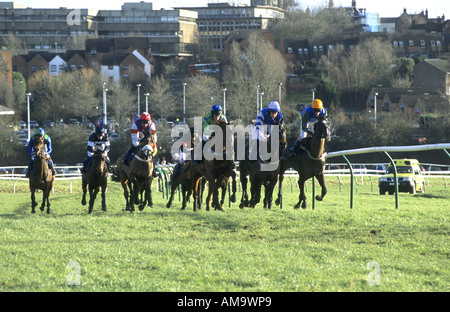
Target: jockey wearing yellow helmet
column 310, row 116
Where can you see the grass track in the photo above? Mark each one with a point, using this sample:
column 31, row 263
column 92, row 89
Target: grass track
column 331, row 248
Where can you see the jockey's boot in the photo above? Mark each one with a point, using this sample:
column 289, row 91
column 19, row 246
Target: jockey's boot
column 155, row 172
column 85, row 162
column 128, row 154
column 294, row 148
column 50, row 166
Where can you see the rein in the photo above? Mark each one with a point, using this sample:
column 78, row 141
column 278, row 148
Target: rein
column 142, row 159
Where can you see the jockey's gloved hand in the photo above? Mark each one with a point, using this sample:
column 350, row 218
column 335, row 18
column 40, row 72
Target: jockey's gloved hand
column 310, row 132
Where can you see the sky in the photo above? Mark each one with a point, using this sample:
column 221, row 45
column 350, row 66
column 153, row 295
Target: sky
column 385, row 8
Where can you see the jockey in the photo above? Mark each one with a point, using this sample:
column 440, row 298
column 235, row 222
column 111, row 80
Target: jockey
column 310, row 116
column 140, row 125
column 210, row 119
column 271, row 115
column 47, row 146
column 98, row 141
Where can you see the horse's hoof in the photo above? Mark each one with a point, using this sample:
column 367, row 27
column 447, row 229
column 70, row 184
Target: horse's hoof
column 304, row 206
column 48, row 211
column 297, row 206
column 319, row 198
column 33, row 211
column 241, row 205
column 277, row 201
column 168, row 205
column 233, row 198
column 42, row 208
column 104, row 209
column 83, row 202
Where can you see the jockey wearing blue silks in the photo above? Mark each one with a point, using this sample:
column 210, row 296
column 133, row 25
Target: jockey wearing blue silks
column 47, row 146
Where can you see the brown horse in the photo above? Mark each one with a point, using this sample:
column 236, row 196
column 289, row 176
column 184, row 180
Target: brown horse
column 214, row 171
column 259, row 177
column 138, row 175
column 182, row 179
column 41, row 176
column 308, row 163
column 96, row 176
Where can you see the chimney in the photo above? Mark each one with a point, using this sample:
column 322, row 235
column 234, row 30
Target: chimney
column 353, row 3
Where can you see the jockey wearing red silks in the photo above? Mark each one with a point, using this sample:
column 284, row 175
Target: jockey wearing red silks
column 142, row 124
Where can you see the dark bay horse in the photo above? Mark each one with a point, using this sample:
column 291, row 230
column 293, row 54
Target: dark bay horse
column 96, row 177
column 184, row 181
column 308, row 163
column 41, row 176
column 138, row 175
column 215, row 171
column 262, row 177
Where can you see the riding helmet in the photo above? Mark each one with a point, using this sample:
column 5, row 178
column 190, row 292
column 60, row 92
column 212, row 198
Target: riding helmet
column 274, row 106
column 145, row 116
column 216, row 108
column 100, row 130
column 39, row 131
column 317, row 104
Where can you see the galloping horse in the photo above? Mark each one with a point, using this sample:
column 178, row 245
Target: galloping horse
column 216, row 172
column 41, row 176
column 259, row 177
column 96, row 176
column 184, row 180
column 138, row 174
column 308, row 163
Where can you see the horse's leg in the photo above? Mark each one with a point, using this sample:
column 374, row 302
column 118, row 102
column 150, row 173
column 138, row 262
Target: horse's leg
column 244, row 197
column 33, row 200
column 280, row 195
column 269, row 193
column 48, row 198
column 173, row 188
column 104, row 186
column 302, row 196
column 125, row 195
column 150, row 200
column 321, row 179
column 92, row 196
column 84, row 187
column 255, row 191
column 44, row 198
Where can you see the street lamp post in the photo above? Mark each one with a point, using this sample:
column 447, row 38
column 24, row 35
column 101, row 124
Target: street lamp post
column 184, row 102
column 279, row 92
column 224, row 101
column 28, row 114
column 257, row 100
column 138, row 100
column 146, row 101
column 260, row 100
column 375, row 107
column 313, row 90
column 105, row 120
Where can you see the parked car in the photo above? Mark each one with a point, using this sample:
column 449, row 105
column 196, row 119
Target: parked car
column 409, row 177
column 34, row 124
column 4, row 171
column 58, row 168
column 22, row 124
column 88, row 124
column 419, row 138
column 377, row 169
column 48, row 123
column 73, row 122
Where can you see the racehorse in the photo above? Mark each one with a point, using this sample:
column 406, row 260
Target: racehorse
column 138, row 175
column 41, row 176
column 96, row 177
column 308, row 163
column 184, row 180
column 215, row 171
column 259, row 177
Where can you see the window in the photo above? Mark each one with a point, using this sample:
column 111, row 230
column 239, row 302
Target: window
column 438, row 43
column 315, row 48
column 124, row 66
column 320, row 48
column 33, row 68
column 411, row 42
column 300, row 51
column 422, row 42
column 330, row 47
column 93, row 51
column 432, row 43
column 306, row 51
column 72, row 66
column 400, row 43
column 395, row 44
column 289, row 50
column 53, row 68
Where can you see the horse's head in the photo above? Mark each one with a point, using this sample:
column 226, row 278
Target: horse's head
column 99, row 162
column 146, row 146
column 38, row 146
column 322, row 128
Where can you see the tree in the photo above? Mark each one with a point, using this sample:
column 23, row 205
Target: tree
column 202, row 92
column 369, row 64
column 162, row 99
column 256, row 63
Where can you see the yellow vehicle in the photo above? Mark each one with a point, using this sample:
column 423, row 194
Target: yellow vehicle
column 409, row 177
